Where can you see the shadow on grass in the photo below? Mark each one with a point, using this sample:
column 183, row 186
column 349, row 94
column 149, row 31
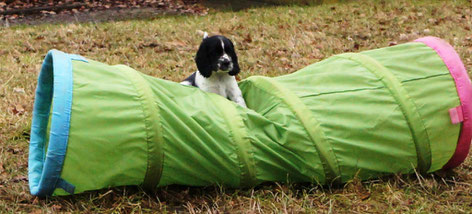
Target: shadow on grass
column 236, row 5
column 149, row 13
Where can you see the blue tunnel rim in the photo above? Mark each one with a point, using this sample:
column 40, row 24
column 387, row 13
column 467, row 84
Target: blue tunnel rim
column 54, row 88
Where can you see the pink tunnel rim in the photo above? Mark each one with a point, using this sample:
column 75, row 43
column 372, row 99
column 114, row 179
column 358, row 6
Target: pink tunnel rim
column 464, row 90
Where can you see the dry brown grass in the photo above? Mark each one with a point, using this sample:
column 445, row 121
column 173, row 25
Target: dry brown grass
column 270, row 41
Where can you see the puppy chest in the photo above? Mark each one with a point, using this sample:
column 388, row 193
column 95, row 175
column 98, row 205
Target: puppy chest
column 217, row 88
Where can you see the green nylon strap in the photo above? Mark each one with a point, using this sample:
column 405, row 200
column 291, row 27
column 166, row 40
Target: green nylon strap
column 309, row 122
column 241, row 139
column 408, row 108
column 154, row 136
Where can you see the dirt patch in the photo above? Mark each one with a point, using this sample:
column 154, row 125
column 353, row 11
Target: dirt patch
column 91, row 16
column 33, row 12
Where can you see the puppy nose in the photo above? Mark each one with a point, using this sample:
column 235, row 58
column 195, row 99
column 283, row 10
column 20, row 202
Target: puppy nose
column 225, row 62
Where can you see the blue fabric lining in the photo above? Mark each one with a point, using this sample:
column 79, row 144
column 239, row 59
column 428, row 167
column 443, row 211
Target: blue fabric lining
column 54, row 87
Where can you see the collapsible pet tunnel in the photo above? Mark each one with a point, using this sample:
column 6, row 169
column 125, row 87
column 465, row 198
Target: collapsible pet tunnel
column 399, row 109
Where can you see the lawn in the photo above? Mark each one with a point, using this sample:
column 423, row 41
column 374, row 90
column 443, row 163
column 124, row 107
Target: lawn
column 270, row 41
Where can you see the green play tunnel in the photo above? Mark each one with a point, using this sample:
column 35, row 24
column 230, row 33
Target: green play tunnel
column 390, row 110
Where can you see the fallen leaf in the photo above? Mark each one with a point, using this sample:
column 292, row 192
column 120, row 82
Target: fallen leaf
column 13, row 150
column 40, row 37
column 19, row 90
column 364, row 196
column 19, row 179
column 56, row 207
column 248, row 38
column 18, row 110
column 356, row 46
column 176, row 43
column 36, row 211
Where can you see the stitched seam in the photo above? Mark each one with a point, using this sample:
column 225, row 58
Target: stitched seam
column 147, row 125
column 249, row 177
column 161, row 138
column 394, row 97
column 439, row 49
column 327, row 178
column 337, row 92
column 140, row 97
column 371, row 88
column 423, row 78
column 402, row 108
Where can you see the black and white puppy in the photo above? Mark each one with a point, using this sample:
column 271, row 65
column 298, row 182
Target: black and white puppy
column 217, row 65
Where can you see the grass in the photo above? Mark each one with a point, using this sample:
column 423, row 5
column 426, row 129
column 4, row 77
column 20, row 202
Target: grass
column 271, row 41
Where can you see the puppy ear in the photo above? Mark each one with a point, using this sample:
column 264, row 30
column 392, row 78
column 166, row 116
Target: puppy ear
column 232, row 53
column 203, row 61
column 236, row 69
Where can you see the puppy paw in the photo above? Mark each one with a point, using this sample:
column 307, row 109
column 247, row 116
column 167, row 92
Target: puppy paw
column 241, row 102
column 186, row 83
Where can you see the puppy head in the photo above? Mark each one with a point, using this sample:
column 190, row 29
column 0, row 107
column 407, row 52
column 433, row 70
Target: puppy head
column 216, row 54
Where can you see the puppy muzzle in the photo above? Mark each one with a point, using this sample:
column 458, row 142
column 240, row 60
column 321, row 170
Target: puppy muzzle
column 224, row 64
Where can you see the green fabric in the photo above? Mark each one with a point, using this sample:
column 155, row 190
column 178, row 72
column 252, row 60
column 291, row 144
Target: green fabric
column 422, row 77
column 153, row 133
column 307, row 121
column 241, row 140
column 367, row 115
column 413, row 119
column 107, row 139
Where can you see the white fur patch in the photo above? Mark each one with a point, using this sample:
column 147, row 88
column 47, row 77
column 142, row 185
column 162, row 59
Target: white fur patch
column 222, row 84
column 186, row 83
